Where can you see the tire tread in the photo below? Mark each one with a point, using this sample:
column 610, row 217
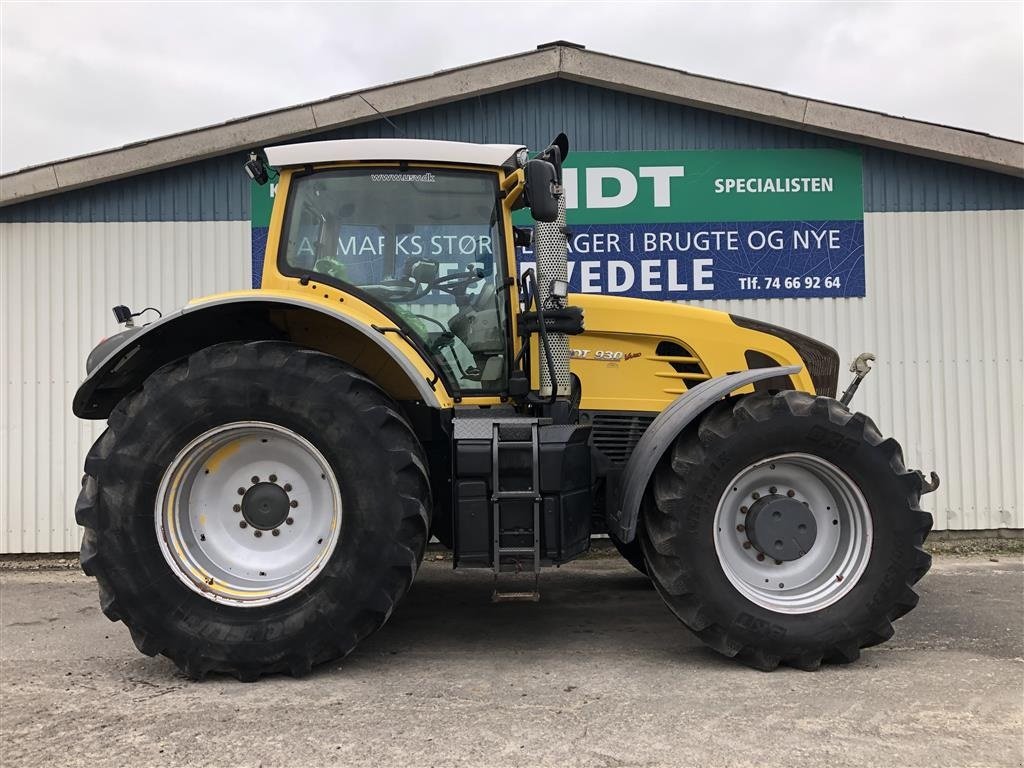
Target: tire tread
column 692, row 450
column 404, row 454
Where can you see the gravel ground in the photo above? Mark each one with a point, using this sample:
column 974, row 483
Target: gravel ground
column 596, row 674
column 937, row 544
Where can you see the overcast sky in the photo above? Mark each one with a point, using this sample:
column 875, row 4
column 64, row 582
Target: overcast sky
column 82, row 77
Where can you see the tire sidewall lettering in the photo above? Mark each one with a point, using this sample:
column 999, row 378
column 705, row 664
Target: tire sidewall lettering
column 718, row 455
column 359, row 441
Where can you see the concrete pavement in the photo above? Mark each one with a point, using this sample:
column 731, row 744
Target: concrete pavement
column 596, row 674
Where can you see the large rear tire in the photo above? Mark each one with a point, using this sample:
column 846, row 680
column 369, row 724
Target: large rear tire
column 255, row 508
column 631, row 552
column 785, row 529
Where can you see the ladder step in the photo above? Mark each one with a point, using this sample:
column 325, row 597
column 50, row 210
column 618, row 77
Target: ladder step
column 516, row 558
column 515, row 597
column 512, row 595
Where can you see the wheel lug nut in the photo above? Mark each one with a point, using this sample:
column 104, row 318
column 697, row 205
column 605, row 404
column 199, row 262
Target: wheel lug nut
column 743, row 510
column 773, row 490
column 293, row 503
column 255, row 479
column 760, row 556
column 257, row 534
column 746, row 545
column 276, row 532
column 741, row 528
column 273, row 478
column 791, row 493
column 236, row 508
column 287, row 487
column 778, row 562
column 241, row 491
column 242, row 524
column 755, row 495
column 289, row 521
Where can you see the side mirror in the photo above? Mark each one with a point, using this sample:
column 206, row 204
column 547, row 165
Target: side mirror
column 542, row 189
column 256, row 169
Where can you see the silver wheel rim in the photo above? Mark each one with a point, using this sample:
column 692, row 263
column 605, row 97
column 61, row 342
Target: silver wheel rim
column 833, row 564
column 222, row 550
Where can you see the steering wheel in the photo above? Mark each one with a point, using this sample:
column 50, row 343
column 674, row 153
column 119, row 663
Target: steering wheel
column 456, row 281
column 400, row 289
column 406, row 289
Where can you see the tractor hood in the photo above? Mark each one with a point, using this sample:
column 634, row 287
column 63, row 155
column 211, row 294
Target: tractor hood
column 638, row 354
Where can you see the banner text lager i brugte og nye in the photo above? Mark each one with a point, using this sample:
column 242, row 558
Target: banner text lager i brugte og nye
column 714, row 224
column 729, row 224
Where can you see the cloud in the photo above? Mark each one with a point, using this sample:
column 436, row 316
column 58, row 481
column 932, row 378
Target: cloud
column 80, row 77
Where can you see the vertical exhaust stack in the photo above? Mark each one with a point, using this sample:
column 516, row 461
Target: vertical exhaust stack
column 551, row 251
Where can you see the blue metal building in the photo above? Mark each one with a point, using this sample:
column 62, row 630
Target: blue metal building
column 163, row 221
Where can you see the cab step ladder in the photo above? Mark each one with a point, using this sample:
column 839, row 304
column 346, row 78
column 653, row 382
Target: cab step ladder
column 520, row 558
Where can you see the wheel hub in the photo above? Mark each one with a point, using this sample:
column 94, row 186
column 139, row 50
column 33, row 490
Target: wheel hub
column 248, row 513
column 265, row 506
column 768, row 558
column 781, row 527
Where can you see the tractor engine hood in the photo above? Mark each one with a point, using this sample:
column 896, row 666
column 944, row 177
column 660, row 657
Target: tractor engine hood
column 821, row 360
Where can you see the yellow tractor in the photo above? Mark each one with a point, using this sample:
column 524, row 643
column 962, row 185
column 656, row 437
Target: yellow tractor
column 276, row 460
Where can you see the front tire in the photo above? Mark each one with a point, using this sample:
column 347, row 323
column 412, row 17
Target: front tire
column 255, row 508
column 785, row 529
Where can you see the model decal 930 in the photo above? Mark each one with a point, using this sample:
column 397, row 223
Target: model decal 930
column 601, row 354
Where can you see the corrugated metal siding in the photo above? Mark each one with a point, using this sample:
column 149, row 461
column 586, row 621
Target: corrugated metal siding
column 943, row 309
column 59, row 282
column 209, row 190
column 948, row 332
column 597, row 119
column 594, row 118
column 943, row 312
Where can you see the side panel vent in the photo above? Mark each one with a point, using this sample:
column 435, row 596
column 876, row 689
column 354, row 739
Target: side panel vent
column 686, row 367
column 615, row 435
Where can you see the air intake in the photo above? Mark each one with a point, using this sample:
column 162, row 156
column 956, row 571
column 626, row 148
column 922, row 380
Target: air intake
column 684, row 367
column 615, row 435
column 550, row 248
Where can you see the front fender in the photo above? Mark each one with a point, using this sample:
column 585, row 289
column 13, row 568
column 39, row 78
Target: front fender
column 663, row 432
column 246, row 316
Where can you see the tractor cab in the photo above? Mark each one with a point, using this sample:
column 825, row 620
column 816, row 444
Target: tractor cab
column 421, row 231
column 426, row 246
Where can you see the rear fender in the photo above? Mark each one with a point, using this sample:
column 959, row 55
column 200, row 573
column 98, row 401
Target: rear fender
column 386, row 358
column 663, row 432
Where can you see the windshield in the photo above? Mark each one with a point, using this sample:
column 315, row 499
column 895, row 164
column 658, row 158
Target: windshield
column 425, row 243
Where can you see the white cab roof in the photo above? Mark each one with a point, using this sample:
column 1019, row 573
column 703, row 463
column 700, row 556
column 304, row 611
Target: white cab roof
column 411, row 150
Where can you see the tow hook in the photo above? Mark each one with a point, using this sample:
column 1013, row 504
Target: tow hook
column 860, row 367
